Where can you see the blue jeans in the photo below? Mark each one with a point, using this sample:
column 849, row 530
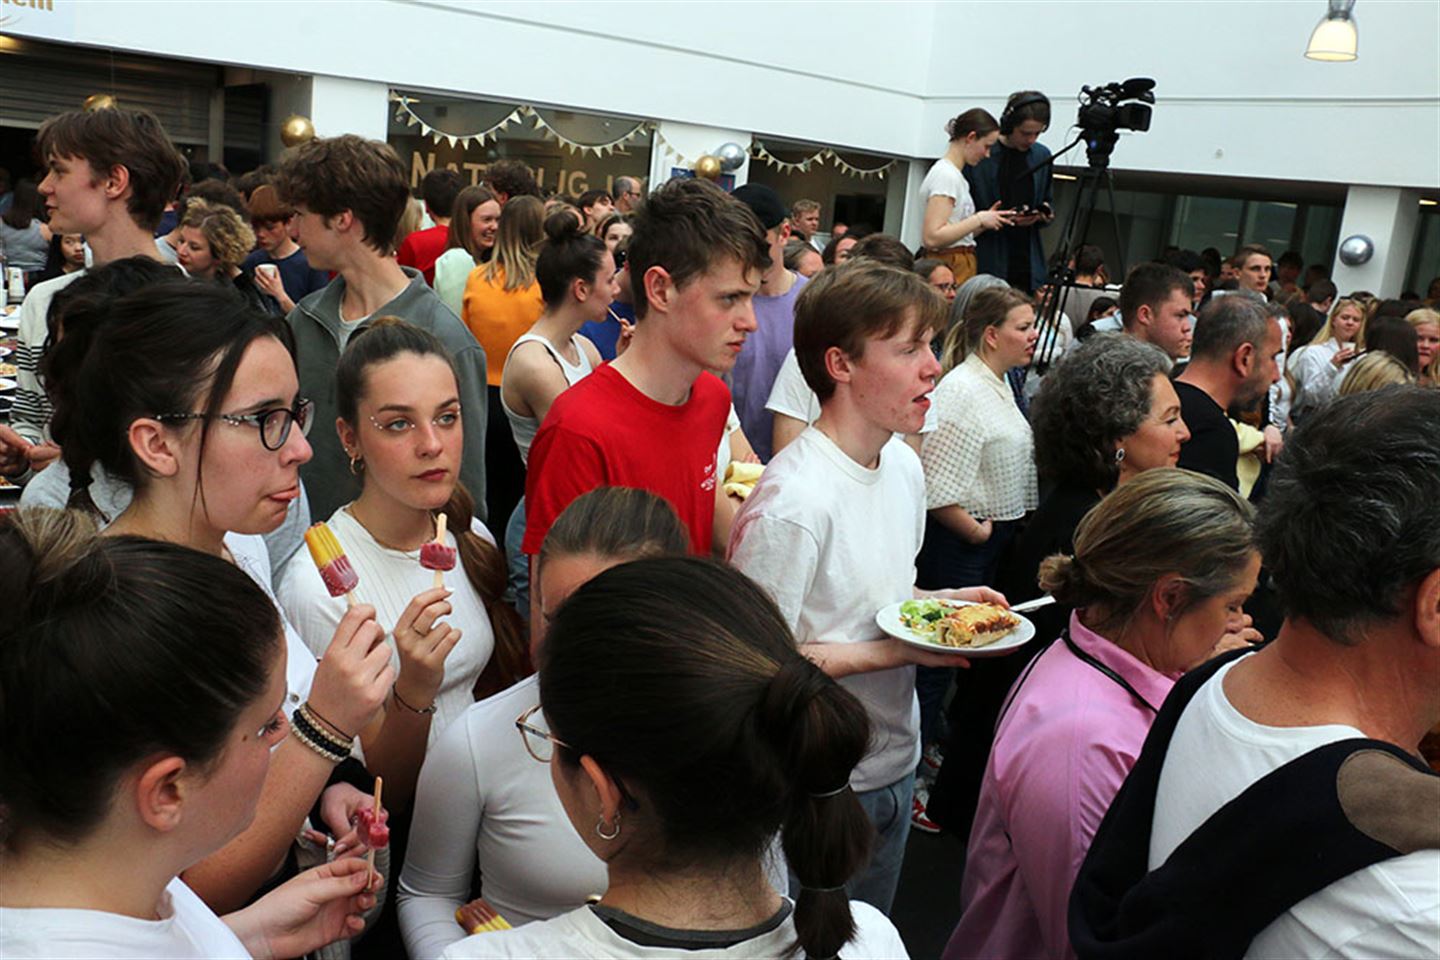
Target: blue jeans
column 517, row 591
column 889, row 810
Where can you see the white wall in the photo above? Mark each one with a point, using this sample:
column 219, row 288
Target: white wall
column 872, row 75
column 1388, row 218
column 1235, row 95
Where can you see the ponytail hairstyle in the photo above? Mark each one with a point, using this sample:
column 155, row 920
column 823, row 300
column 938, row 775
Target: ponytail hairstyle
column 569, row 254
column 616, row 522
column 461, row 232
column 679, row 677
column 987, row 308
column 112, row 651
column 976, row 120
column 170, row 348
column 483, row 562
column 517, row 243
column 1164, row 521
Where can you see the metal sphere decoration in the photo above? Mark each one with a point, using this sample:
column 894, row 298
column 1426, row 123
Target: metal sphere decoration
column 100, row 101
column 296, row 130
column 732, row 156
column 708, row 167
column 1356, row 249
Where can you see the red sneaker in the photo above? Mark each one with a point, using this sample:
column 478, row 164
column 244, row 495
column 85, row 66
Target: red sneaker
column 918, row 818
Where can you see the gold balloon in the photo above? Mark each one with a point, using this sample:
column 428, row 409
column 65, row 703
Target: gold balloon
column 100, row 101
column 296, row 130
column 708, row 167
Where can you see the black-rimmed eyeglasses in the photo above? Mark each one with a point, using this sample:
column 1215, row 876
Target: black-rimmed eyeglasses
column 273, row 425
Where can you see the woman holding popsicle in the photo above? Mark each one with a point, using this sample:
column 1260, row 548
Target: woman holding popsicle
column 191, row 397
column 481, row 799
column 434, row 575
column 135, row 775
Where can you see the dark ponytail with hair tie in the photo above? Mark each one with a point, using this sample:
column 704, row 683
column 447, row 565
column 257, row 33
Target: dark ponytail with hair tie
column 569, row 254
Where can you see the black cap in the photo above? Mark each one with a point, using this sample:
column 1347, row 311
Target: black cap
column 764, row 201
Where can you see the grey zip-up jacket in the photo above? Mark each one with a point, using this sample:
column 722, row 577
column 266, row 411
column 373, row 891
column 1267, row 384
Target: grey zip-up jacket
column 319, row 338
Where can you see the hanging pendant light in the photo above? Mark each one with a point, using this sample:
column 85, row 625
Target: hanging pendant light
column 1335, row 38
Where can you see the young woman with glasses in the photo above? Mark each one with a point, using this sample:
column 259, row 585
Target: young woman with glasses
column 482, row 801
column 683, row 732
column 191, row 398
column 401, row 425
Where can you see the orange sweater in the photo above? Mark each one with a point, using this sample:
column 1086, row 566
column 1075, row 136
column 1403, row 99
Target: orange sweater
column 498, row 317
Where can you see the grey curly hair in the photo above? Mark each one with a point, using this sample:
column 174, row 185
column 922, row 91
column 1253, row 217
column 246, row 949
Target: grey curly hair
column 1097, row 394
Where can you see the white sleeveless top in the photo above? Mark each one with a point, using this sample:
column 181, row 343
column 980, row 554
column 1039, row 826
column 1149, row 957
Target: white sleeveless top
column 525, row 428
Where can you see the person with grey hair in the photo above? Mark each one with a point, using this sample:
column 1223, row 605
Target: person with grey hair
column 1106, row 414
column 628, row 194
column 1258, row 761
column 1232, row 361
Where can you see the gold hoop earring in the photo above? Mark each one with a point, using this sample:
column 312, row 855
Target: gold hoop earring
column 600, row 828
column 357, row 464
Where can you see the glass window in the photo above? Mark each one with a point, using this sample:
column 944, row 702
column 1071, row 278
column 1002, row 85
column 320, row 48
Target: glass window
column 1271, row 224
column 1425, row 261
column 1202, row 222
column 556, row 167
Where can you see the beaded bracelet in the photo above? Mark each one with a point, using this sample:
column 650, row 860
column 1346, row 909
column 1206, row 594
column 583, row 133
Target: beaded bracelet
column 316, row 740
column 298, row 732
column 322, row 730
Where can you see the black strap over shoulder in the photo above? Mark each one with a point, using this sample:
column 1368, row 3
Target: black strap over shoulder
column 1290, row 834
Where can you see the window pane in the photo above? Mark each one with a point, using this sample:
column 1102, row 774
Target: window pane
column 1271, row 224
column 1202, row 222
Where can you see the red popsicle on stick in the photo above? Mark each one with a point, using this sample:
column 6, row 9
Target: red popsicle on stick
column 335, row 569
column 374, row 832
column 436, row 555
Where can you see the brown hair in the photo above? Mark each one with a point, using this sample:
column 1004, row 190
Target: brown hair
column 229, row 236
column 265, row 206
column 884, row 248
column 461, row 232
column 133, row 139
column 846, row 305
column 484, row 563
column 335, row 174
column 1164, row 521
column 976, row 120
column 517, row 244
column 616, row 522
column 986, row 309
column 688, row 226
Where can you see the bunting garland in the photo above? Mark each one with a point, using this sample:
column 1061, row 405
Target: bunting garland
column 820, row 156
column 670, row 150
column 404, row 112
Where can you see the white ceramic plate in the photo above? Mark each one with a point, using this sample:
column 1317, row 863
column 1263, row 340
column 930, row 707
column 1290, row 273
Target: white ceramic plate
column 6, row 384
column 888, row 619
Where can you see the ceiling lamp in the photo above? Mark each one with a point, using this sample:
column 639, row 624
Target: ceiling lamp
column 1335, row 37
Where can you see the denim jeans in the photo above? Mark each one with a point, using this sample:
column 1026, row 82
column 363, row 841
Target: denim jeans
column 517, row 591
column 889, row 810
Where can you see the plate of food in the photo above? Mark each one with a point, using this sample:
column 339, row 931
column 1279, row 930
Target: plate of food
column 8, row 369
column 962, row 627
column 6, row 385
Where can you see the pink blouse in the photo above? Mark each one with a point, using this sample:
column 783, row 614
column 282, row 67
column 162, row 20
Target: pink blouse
column 1062, row 749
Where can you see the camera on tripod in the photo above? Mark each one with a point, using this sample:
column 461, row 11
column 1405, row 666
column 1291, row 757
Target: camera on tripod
column 1105, row 110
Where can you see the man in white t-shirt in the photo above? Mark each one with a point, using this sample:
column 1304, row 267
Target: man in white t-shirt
column 1351, row 537
column 833, row 527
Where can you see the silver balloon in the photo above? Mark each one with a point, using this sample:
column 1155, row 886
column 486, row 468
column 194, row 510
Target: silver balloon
column 1356, row 249
column 732, row 157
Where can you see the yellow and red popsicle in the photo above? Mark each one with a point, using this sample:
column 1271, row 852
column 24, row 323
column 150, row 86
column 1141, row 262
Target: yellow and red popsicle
column 335, row 569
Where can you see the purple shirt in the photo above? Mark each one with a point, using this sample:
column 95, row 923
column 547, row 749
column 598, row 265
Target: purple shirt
column 1062, row 749
column 759, row 362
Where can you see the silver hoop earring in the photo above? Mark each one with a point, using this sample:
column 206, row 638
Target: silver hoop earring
column 600, row 828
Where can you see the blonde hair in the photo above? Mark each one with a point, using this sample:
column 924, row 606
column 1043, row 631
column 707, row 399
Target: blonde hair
column 1374, row 370
column 1165, row 521
column 988, row 308
column 517, row 243
column 229, row 236
column 1325, row 333
column 410, row 221
column 1426, row 316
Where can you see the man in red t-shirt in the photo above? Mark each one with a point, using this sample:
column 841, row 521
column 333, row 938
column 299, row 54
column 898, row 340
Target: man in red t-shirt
column 654, row 417
column 422, row 248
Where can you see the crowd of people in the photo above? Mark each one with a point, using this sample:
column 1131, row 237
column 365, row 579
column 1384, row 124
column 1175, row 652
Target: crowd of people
column 680, row 456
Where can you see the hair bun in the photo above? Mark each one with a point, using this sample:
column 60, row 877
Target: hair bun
column 1061, row 577
column 563, row 224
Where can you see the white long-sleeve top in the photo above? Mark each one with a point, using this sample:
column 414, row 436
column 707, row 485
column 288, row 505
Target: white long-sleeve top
column 1317, row 379
column 389, row 580
column 483, row 798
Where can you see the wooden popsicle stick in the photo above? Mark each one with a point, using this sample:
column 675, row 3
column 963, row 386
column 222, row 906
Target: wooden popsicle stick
column 350, row 599
column 440, row 539
column 370, row 857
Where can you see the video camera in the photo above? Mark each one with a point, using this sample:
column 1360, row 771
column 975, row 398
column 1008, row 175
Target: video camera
column 1111, row 108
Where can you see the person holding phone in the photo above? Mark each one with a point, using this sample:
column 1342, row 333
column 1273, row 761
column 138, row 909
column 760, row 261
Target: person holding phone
column 1015, row 173
column 952, row 222
column 1319, row 366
